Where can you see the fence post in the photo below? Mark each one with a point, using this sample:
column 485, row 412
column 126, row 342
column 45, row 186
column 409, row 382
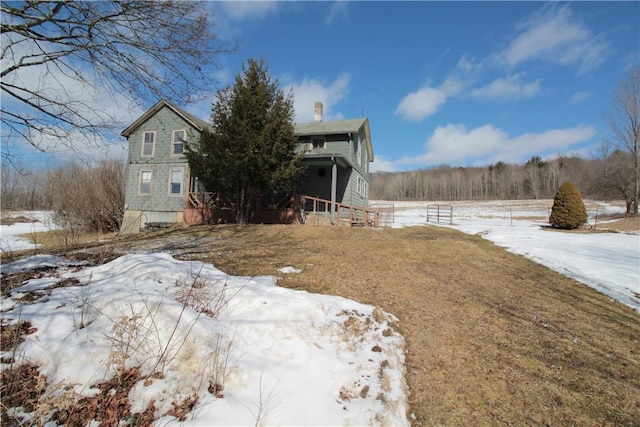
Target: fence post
column 450, row 215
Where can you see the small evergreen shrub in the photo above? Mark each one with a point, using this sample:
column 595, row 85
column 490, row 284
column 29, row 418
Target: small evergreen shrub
column 568, row 210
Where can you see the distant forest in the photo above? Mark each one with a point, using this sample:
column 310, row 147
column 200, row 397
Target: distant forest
column 536, row 179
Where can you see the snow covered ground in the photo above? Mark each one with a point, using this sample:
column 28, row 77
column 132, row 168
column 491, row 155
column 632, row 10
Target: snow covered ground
column 608, row 262
column 251, row 352
column 14, row 237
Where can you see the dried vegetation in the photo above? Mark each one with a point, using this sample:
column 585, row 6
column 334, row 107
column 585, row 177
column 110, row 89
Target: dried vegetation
column 492, row 338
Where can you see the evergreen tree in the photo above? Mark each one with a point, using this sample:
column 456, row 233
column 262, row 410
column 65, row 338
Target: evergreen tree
column 250, row 154
column 568, row 210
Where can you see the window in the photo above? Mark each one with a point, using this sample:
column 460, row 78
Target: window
column 175, row 181
column 145, row 182
column 317, row 143
column 322, row 172
column 148, row 140
column 177, row 142
column 361, row 186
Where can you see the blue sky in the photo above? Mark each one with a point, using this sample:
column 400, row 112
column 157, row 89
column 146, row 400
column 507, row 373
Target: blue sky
column 457, row 83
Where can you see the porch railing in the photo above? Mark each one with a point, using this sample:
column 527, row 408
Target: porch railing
column 356, row 216
column 206, row 200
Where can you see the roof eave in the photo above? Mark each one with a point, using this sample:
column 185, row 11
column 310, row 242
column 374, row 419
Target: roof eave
column 153, row 110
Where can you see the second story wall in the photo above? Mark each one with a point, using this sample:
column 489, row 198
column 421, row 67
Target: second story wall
column 351, row 146
column 160, row 139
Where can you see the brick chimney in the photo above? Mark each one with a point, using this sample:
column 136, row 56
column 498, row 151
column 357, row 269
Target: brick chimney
column 317, row 112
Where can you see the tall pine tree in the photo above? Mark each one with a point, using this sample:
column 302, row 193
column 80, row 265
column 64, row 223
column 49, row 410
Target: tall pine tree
column 251, row 152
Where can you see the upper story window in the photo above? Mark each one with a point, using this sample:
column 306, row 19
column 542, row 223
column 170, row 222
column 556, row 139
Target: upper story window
column 318, row 143
column 177, row 143
column 148, row 144
column 145, row 182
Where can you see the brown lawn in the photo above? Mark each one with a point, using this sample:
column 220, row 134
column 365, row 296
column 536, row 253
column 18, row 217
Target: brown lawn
column 492, row 338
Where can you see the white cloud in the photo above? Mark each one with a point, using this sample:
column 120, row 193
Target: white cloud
column 454, row 144
column 578, row 97
column 382, row 164
column 468, row 65
column 247, row 10
column 424, row 102
column 339, row 9
column 508, row 88
column 555, row 36
column 81, row 93
column 308, row 91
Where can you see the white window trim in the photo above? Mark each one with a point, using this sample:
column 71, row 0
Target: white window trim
column 323, row 147
column 173, row 142
column 362, row 186
column 360, row 183
column 140, row 193
column 153, row 148
column 181, row 170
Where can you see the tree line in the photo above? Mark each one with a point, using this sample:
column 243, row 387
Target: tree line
column 602, row 178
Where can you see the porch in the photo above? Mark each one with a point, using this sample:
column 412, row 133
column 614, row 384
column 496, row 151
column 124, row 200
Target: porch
column 214, row 208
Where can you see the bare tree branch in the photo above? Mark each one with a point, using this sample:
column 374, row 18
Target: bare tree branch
column 59, row 58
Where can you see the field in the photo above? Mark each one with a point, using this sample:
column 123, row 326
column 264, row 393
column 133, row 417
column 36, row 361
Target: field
column 492, row 337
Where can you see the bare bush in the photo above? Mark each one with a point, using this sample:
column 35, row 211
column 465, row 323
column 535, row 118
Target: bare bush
column 88, row 198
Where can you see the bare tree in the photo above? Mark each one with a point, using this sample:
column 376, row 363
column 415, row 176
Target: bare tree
column 501, row 181
column 59, row 58
column 23, row 189
column 624, row 123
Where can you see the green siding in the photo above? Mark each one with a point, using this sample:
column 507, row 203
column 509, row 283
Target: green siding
column 161, row 205
column 159, row 199
column 163, row 123
column 338, row 145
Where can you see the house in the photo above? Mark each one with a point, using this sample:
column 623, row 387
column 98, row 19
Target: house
column 159, row 188
column 337, row 156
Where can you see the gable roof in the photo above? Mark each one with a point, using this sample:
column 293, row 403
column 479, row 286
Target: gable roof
column 338, row 127
column 197, row 123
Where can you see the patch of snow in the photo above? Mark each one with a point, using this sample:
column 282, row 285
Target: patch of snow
column 270, row 354
column 289, row 270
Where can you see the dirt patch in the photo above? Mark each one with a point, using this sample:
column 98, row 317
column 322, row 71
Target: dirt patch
column 492, row 337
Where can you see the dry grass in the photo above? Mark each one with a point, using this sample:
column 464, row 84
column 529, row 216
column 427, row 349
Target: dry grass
column 8, row 219
column 621, row 224
column 492, row 338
